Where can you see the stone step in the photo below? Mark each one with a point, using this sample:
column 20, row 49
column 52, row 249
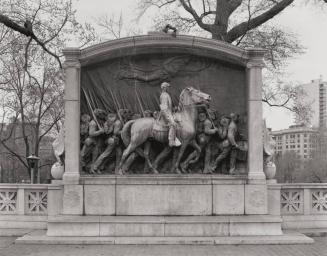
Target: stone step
column 40, row 237
column 23, row 222
column 164, row 226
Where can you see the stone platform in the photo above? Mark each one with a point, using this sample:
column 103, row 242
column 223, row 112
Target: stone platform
column 164, row 226
column 39, row 237
column 165, row 195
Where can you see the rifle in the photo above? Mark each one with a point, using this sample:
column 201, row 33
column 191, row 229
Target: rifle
column 116, row 106
column 139, row 101
column 89, row 105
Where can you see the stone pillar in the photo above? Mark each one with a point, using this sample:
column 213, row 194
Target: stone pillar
column 256, row 196
column 273, row 197
column 254, row 109
column 73, row 192
column 20, row 201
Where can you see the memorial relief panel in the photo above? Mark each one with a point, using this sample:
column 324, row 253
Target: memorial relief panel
column 163, row 113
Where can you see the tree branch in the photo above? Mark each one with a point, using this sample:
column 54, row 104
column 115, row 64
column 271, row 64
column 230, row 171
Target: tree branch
column 188, row 7
column 243, row 27
column 27, row 32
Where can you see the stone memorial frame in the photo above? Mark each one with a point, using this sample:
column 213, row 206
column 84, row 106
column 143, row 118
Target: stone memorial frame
column 253, row 188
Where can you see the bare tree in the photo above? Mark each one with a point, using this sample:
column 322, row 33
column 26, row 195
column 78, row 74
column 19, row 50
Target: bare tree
column 245, row 23
column 44, row 22
column 114, row 27
column 32, row 35
column 218, row 16
column 33, row 98
column 286, row 167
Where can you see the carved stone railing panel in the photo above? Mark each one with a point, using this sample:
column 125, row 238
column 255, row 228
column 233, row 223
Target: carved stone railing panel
column 303, row 199
column 319, row 201
column 8, row 201
column 37, row 202
column 292, row 201
column 30, row 199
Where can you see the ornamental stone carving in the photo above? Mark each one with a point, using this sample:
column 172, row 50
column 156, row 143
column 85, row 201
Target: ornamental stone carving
column 291, row 201
column 8, row 200
column 319, row 201
column 37, row 202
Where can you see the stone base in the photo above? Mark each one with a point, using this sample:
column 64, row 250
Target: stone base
column 23, row 222
column 304, row 222
column 164, row 226
column 166, row 195
column 40, row 237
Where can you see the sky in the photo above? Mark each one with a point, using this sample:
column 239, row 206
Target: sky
column 307, row 21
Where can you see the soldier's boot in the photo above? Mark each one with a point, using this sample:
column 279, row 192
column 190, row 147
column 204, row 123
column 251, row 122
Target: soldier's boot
column 173, row 140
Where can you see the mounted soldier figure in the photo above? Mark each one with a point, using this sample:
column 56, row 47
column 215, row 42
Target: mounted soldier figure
column 166, row 111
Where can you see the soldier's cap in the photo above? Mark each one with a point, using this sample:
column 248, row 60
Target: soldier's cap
column 111, row 114
column 99, row 112
column 165, row 85
column 202, row 110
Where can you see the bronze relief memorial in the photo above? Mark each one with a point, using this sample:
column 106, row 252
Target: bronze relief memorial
column 163, row 113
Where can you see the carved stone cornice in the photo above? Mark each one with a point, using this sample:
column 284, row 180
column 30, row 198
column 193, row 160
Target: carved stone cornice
column 72, row 56
column 255, row 58
column 153, row 43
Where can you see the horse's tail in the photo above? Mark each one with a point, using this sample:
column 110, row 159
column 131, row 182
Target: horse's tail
column 126, row 132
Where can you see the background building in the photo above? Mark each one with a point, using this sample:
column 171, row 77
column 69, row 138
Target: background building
column 316, row 97
column 298, row 139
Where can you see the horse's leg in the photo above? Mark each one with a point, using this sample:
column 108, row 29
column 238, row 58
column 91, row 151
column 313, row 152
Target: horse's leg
column 180, row 154
column 145, row 155
column 173, row 161
column 146, row 151
column 130, row 159
column 163, row 154
column 148, row 163
column 131, row 147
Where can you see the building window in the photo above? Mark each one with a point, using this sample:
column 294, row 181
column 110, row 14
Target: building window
column 305, row 145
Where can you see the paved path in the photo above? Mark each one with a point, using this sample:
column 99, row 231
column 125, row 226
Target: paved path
column 8, row 248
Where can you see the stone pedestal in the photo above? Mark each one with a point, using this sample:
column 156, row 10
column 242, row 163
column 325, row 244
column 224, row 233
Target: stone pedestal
column 256, row 201
column 273, row 197
column 73, row 199
column 164, row 195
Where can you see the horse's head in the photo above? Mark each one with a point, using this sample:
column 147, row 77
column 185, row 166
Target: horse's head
column 196, row 97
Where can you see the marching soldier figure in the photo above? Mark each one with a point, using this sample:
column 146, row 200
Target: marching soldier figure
column 205, row 130
column 228, row 132
column 112, row 127
column 93, row 144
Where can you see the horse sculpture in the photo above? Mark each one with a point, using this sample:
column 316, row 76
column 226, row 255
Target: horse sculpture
column 136, row 132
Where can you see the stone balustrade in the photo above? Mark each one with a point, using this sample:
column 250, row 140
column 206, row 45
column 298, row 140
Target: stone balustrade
column 303, row 205
column 28, row 205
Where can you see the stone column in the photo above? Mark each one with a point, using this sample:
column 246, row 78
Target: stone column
column 256, row 195
column 254, row 109
column 73, row 192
